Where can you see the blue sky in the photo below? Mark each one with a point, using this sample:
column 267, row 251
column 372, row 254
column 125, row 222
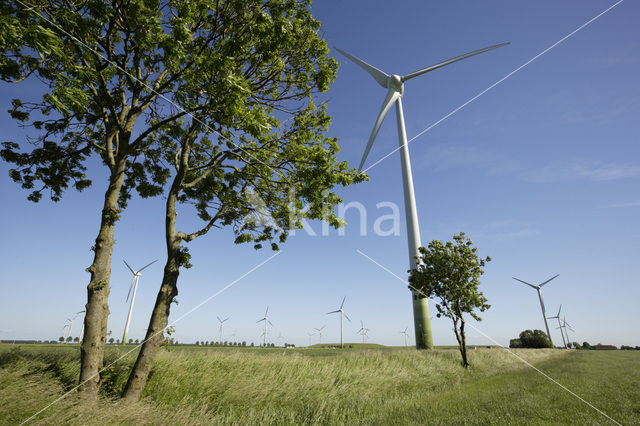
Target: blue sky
column 542, row 172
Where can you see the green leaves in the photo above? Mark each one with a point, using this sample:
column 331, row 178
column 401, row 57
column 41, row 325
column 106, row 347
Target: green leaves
column 450, row 272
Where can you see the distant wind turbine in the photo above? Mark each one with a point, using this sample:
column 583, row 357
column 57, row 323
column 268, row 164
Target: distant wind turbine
column 538, row 288
column 221, row 324
column 266, row 320
column 405, row 335
column 134, row 286
column 341, row 314
column 363, row 331
column 310, row 334
column 566, row 326
column 564, row 342
column 319, row 330
column 395, row 89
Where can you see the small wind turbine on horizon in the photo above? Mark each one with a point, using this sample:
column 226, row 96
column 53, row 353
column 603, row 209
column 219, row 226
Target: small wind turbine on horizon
column 405, row 335
column 538, row 288
column 395, row 90
column 363, row 331
column 134, row 286
column 310, row 334
column 266, row 320
column 319, row 330
column 564, row 342
column 341, row 315
column 70, row 325
column 566, row 326
column 221, row 324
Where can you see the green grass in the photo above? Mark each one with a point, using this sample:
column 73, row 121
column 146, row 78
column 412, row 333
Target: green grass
column 329, row 386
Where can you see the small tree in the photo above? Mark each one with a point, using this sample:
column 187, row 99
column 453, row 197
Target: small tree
column 130, row 341
column 76, row 339
column 450, row 272
column 61, row 339
column 69, row 339
column 577, row 345
column 535, row 339
column 586, row 345
column 515, row 343
column 111, row 340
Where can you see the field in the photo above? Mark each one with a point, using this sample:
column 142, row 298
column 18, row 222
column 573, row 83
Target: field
column 199, row 385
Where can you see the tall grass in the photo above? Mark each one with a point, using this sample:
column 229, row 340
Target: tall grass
column 271, row 386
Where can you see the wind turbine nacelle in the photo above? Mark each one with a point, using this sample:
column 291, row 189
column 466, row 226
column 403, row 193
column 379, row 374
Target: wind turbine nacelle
column 395, row 82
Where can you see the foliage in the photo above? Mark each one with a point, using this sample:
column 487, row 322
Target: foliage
column 392, row 386
column 515, row 343
column 535, row 339
column 450, row 272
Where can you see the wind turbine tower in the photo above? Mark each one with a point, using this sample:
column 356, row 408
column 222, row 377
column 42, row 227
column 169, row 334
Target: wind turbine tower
column 221, row 324
column 341, row 315
column 134, row 286
column 538, row 288
column 395, row 89
column 266, row 320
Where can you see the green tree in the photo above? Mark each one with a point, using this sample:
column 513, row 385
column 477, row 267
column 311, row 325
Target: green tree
column 450, row 273
column 255, row 158
column 76, row 339
column 535, row 339
column 515, row 343
column 61, row 339
column 69, row 339
column 105, row 68
column 111, row 340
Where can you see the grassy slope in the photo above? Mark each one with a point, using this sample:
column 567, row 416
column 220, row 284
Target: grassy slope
column 366, row 386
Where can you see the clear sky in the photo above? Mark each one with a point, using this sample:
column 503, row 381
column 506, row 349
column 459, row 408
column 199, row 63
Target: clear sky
column 542, row 172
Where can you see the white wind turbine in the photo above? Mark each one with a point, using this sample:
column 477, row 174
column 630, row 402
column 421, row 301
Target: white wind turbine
column 566, row 326
column 363, row 331
column 395, row 89
column 319, row 330
column 221, row 324
column 310, row 334
column 538, row 288
column 564, row 342
column 134, row 286
column 341, row 314
column 405, row 335
column 266, row 320
column 70, row 325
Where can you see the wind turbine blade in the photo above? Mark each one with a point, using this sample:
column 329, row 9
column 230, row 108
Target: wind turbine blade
column 555, row 276
column 392, row 97
column 266, row 312
column 219, row 319
column 530, row 285
column 140, row 270
column 342, row 304
column 449, row 61
column 333, row 312
column 226, row 319
column 345, row 315
column 269, row 322
column 260, row 320
column 559, row 311
column 380, row 76
column 130, row 268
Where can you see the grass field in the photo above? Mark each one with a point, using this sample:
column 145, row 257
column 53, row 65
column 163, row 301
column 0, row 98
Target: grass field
column 197, row 385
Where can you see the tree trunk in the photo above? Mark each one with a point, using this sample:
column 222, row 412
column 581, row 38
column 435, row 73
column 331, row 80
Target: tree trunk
column 160, row 315
column 463, row 345
column 97, row 309
column 155, row 332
